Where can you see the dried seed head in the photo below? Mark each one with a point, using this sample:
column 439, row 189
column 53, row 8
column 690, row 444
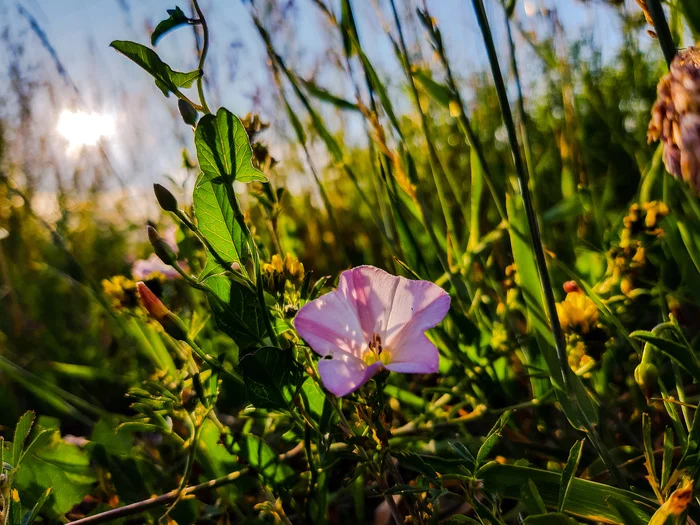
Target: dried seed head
column 675, row 117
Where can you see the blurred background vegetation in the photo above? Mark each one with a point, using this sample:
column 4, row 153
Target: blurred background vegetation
column 582, row 80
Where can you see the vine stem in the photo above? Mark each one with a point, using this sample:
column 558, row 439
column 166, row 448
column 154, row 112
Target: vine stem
column 202, row 56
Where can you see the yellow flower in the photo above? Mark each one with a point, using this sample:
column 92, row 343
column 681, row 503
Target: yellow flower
column 577, row 356
column 121, row 290
column 577, row 313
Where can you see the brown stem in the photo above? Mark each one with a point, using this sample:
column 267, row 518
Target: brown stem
column 169, row 497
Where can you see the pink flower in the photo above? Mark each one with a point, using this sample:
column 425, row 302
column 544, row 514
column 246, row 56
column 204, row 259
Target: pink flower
column 373, row 320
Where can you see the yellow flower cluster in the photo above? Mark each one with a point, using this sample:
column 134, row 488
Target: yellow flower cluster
column 643, row 219
column 628, row 259
column 279, row 270
column 577, row 356
column 121, row 291
column 577, row 313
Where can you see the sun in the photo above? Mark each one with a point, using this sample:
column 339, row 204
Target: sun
column 84, row 129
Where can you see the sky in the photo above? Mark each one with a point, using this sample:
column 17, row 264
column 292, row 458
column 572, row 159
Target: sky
column 149, row 136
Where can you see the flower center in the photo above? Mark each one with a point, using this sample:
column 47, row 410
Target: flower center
column 376, row 352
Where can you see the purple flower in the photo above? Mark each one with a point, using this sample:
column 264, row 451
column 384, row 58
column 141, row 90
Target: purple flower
column 373, row 320
column 145, row 268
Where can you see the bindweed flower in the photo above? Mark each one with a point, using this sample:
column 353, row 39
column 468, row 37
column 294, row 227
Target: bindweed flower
column 675, row 118
column 373, row 321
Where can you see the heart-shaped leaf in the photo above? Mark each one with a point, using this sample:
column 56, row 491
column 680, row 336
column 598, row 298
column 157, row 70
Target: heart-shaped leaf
column 223, row 149
column 167, row 79
column 175, row 19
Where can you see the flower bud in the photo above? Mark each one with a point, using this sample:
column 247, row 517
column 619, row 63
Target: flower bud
column 151, row 303
column 187, row 112
column 165, row 198
column 171, row 323
column 163, row 250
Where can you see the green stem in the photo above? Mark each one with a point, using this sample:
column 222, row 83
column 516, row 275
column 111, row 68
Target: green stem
column 536, row 236
column 522, row 116
column 536, row 239
column 436, row 167
column 202, row 56
column 662, row 30
column 463, row 120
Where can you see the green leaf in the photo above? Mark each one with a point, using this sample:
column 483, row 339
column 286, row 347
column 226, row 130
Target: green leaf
column 175, row 19
column 167, row 80
column 569, row 473
column 51, row 462
column 667, row 461
column 477, row 192
column 678, row 352
column 405, row 397
column 223, row 149
column 258, row 454
column 216, row 221
column 326, row 96
column 492, row 438
column 648, row 448
column 587, row 499
column 317, row 404
column 24, row 426
column 440, row 93
column 271, row 376
column 379, row 88
column 551, row 519
column 531, row 498
column 414, row 462
column 236, row 310
column 532, row 293
column 691, row 8
column 33, row 514
column 459, row 519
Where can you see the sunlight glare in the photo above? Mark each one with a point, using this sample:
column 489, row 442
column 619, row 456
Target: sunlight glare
column 84, row 129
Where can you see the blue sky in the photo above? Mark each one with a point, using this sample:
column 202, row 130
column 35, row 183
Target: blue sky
column 149, row 135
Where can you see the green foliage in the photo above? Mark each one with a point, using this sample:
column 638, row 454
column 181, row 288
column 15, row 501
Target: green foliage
column 176, row 18
column 223, row 150
column 167, row 80
column 230, row 420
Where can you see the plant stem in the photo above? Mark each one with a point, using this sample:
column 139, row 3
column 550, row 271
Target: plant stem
column 238, row 216
column 536, row 236
column 202, row 56
column 169, row 497
column 436, row 167
column 662, row 30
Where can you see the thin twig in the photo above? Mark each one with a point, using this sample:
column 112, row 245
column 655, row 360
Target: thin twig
column 169, row 497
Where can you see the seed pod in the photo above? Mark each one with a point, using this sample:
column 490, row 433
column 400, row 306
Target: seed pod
column 187, row 112
column 163, row 250
column 165, row 198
